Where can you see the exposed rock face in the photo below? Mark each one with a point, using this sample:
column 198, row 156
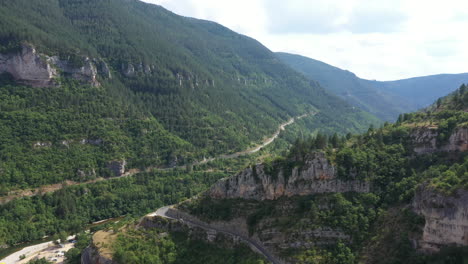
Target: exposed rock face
column 235, row 229
column 91, row 255
column 86, row 173
column 128, row 70
column 104, row 70
column 117, row 167
column 28, row 67
column 195, row 233
column 446, row 218
column 40, row 144
column 39, row 70
column 425, row 140
column 316, row 176
column 86, row 72
column 277, row 239
column 100, row 251
column 95, row 142
column 272, row 237
column 458, row 141
column 84, row 141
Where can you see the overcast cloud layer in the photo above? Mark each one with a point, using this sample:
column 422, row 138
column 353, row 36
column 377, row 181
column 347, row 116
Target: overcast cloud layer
column 376, row 39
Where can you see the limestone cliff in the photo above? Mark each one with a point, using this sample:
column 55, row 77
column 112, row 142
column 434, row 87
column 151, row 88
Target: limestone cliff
column 100, row 251
column 446, row 218
column 87, row 72
column 29, row 67
column 91, row 255
column 117, row 167
column 317, row 175
column 426, row 140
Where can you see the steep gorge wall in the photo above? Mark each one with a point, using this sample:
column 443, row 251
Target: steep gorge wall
column 29, row 67
column 316, row 176
column 446, row 218
column 426, row 141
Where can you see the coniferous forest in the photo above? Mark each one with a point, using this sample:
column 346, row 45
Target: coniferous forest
column 141, row 108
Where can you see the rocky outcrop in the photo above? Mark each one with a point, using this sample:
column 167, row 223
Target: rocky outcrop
column 39, row 70
column 317, row 175
column 425, row 140
column 117, row 167
column 276, row 239
column 84, row 141
column 86, row 173
column 236, row 230
column 269, row 236
column 90, row 255
column 86, row 72
column 458, row 141
column 128, row 70
column 131, row 70
column 104, row 70
column 446, row 218
column 100, row 251
column 28, row 67
column 194, row 232
column 40, row 144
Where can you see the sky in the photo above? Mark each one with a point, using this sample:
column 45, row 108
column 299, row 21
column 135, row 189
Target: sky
column 375, row 39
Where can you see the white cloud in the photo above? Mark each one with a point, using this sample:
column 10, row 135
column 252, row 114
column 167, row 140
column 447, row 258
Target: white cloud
column 376, row 39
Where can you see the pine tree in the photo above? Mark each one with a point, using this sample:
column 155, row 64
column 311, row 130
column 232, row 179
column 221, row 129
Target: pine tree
column 439, row 102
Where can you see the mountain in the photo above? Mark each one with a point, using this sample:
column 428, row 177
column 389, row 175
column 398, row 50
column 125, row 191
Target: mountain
column 386, row 100
column 95, row 88
column 396, row 194
column 423, row 91
column 348, row 86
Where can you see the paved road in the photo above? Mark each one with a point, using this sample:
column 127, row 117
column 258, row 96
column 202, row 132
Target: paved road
column 163, row 213
column 29, row 251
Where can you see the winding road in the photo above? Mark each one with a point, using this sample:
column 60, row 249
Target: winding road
column 162, row 212
column 55, row 187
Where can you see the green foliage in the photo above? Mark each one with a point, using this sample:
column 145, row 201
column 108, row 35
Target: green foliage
column 151, row 247
column 377, row 226
column 359, row 92
column 199, row 90
column 448, row 179
column 39, row 261
column 74, row 207
column 65, row 120
column 73, row 256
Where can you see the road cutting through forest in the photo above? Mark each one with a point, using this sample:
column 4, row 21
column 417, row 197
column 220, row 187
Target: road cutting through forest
column 55, row 187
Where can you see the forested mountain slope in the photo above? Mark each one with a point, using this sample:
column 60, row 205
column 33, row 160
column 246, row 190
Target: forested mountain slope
column 396, row 194
column 422, row 91
column 91, row 87
column 386, row 100
column 348, row 86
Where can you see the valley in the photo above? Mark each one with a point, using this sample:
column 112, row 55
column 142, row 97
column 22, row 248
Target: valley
column 130, row 172
column 158, row 138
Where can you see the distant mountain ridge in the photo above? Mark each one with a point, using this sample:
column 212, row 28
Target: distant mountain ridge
column 423, row 91
column 384, row 99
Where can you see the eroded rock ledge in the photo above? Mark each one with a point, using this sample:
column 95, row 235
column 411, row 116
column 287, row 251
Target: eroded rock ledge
column 29, row 67
column 446, row 218
column 426, row 140
column 316, row 176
